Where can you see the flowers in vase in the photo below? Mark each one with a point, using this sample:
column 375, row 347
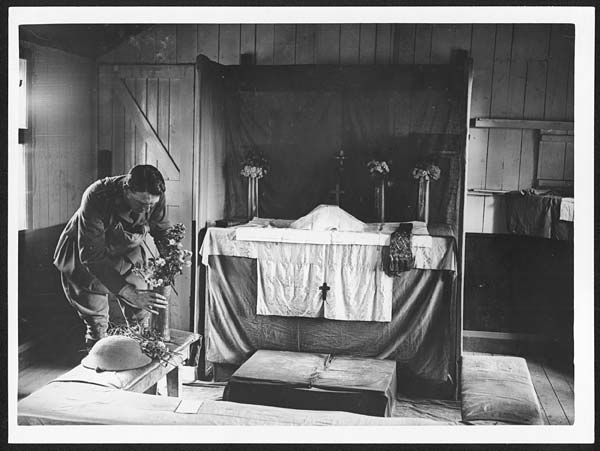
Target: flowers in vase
column 161, row 271
column 379, row 168
column 426, row 171
column 255, row 165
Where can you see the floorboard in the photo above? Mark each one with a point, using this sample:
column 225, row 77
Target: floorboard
column 546, row 394
column 563, row 392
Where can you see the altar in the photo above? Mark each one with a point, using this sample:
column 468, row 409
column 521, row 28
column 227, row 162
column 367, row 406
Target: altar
column 418, row 334
column 285, row 139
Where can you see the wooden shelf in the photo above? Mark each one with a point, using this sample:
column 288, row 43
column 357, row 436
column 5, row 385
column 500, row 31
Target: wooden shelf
column 480, row 122
column 485, row 192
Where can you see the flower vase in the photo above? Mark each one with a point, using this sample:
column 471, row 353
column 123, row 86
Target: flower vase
column 252, row 197
column 423, row 201
column 160, row 322
column 380, row 200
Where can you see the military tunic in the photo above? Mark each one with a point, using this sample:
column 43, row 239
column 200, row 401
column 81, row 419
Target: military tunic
column 98, row 249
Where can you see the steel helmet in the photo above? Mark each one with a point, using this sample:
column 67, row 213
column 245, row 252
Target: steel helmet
column 116, row 353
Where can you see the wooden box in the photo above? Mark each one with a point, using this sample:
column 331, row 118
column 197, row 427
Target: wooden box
column 315, row 382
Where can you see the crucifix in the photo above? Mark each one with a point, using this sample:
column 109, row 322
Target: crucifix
column 338, row 191
column 324, row 289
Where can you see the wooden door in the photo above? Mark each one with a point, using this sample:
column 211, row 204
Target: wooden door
column 146, row 116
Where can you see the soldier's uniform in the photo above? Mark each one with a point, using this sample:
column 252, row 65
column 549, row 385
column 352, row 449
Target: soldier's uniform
column 97, row 250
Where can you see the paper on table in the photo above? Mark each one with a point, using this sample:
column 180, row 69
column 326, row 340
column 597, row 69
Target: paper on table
column 189, row 406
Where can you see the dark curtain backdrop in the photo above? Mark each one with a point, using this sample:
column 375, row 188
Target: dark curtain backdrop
column 299, row 132
column 301, row 116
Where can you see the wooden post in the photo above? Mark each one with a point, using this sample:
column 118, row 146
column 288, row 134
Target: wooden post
column 173, row 383
column 468, row 79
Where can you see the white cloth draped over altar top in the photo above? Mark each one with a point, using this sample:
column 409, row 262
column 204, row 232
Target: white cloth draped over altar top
column 293, row 264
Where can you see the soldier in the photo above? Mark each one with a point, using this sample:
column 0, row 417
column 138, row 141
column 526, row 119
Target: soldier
column 103, row 241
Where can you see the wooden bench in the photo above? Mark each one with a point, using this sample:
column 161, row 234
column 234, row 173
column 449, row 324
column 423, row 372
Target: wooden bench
column 142, row 379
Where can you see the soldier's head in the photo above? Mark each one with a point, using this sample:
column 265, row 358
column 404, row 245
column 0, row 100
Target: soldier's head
column 144, row 185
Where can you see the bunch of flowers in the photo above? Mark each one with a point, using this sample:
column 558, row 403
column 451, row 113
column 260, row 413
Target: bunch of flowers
column 378, row 168
column 255, row 165
column 161, row 271
column 150, row 342
column 427, row 171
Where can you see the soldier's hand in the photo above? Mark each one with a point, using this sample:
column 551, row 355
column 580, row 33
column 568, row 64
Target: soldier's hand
column 143, row 299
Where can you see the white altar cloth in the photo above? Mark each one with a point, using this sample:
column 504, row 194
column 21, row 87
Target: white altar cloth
column 289, row 276
column 430, row 252
column 292, row 264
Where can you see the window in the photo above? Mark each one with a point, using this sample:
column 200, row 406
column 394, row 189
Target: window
column 22, row 164
column 22, row 93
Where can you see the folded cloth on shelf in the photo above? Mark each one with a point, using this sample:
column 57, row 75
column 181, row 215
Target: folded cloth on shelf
column 536, row 215
column 567, row 207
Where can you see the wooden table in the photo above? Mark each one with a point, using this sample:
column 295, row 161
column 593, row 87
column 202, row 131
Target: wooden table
column 144, row 379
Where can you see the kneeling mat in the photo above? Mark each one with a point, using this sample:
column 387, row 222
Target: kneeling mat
column 498, row 388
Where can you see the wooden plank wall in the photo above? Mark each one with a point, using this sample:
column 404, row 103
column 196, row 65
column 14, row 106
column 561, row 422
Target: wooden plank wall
column 61, row 153
column 521, row 71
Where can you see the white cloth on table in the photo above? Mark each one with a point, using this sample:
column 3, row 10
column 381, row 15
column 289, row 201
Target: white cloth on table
column 329, row 217
column 360, row 289
column 290, row 277
column 291, row 266
column 567, row 209
column 429, row 252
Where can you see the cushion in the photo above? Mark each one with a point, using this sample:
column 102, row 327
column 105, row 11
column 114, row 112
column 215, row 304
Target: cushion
column 329, row 217
column 498, row 388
